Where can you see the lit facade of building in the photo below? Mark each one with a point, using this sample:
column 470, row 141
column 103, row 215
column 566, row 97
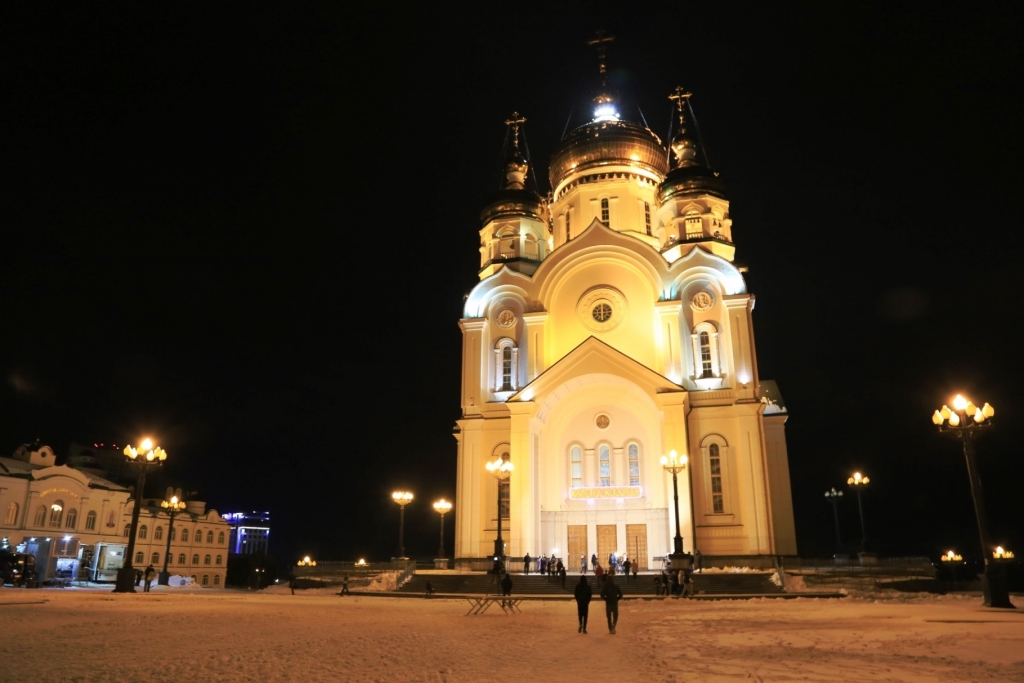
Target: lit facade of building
column 76, row 524
column 250, row 532
column 611, row 326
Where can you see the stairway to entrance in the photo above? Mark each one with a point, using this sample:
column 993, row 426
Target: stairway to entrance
column 534, row 584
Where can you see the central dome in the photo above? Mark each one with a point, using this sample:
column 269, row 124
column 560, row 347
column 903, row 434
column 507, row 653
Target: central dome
column 608, row 143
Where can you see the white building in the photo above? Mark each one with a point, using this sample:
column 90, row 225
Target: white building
column 610, row 327
column 76, row 524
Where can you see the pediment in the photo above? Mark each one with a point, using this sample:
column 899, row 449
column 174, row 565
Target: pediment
column 60, row 471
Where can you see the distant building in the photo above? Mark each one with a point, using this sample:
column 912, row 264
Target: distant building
column 103, row 459
column 250, row 532
column 76, row 524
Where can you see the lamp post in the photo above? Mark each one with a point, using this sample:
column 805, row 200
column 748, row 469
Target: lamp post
column 306, row 562
column 952, row 559
column 675, row 464
column 965, row 422
column 403, row 498
column 857, row 482
column 501, row 469
column 145, row 455
column 442, row 506
column 834, row 497
column 173, row 507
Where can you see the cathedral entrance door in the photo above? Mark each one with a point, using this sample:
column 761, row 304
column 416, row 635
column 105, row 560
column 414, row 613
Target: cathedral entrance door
column 577, row 546
column 606, row 543
column 636, row 539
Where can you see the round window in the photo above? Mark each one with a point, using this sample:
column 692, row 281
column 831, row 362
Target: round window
column 602, row 312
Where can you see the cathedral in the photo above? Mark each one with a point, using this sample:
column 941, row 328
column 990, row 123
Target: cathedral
column 611, row 328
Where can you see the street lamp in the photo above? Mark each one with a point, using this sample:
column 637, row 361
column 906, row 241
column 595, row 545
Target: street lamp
column 675, row 464
column 173, row 507
column 442, row 506
column 501, row 469
column 403, row 498
column 965, row 422
column 145, row 455
column 857, row 483
column 306, row 562
column 834, row 497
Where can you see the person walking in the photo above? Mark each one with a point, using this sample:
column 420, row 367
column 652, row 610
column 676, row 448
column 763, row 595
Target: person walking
column 561, row 575
column 593, row 561
column 526, row 563
column 292, row 582
column 611, row 594
column 506, row 587
column 583, row 564
column 148, row 577
column 583, row 594
column 599, row 574
column 636, row 570
column 344, row 586
column 626, row 566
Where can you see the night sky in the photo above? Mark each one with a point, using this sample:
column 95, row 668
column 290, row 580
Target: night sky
column 248, row 232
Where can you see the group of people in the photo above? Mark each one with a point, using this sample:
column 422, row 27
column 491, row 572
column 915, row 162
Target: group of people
column 551, row 566
column 610, row 593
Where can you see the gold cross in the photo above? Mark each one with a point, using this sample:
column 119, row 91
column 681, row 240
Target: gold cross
column 516, row 121
column 600, row 43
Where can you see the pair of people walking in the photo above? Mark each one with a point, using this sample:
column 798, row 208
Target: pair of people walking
column 610, row 593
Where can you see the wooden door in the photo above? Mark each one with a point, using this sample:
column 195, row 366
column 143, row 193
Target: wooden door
column 606, row 543
column 577, row 547
column 636, row 540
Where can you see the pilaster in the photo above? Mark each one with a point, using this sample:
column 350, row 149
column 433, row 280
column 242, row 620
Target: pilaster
column 474, row 365
column 524, row 485
column 536, row 355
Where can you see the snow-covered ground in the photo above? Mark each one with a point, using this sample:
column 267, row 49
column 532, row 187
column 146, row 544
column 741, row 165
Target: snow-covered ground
column 184, row 635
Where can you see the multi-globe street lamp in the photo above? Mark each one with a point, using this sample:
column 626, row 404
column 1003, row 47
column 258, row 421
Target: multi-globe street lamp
column 858, row 483
column 501, row 469
column 966, row 422
column 833, row 496
column 145, row 455
column 173, row 505
column 675, row 464
column 306, row 562
column 403, row 498
column 442, row 506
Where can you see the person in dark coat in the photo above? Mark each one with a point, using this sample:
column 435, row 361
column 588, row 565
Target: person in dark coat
column 344, row 586
column 148, row 577
column 583, row 594
column 292, row 582
column 561, row 575
column 611, row 594
column 593, row 561
column 625, row 568
column 526, row 563
column 506, row 587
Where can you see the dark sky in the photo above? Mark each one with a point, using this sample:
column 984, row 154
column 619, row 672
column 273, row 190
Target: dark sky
column 248, row 231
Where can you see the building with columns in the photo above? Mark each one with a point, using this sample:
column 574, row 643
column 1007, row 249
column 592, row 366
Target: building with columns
column 611, row 326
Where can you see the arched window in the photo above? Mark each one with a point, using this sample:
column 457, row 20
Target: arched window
column 694, row 225
column 568, row 226
column 530, row 247
column 184, row 535
column 181, row 558
column 40, row 517
column 127, row 530
column 139, row 557
column 209, row 536
column 647, row 217
column 56, row 513
column 143, row 531
column 604, row 212
column 11, row 516
column 71, row 520
column 156, row 558
column 506, row 360
column 715, row 471
column 206, row 579
column 634, row 464
column 90, row 521
column 605, row 463
column 158, row 533
column 706, row 362
column 216, row 579
column 112, row 520
column 195, row 559
column 220, row 559
column 220, row 538
column 207, row 559
column 576, row 465
column 199, row 536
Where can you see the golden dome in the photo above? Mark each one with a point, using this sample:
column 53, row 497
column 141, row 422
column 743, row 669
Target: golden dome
column 607, row 143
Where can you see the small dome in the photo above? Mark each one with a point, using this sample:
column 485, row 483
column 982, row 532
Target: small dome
column 691, row 180
column 606, row 143
column 511, row 203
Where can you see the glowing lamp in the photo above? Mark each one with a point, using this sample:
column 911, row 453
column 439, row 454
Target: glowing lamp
column 959, row 402
column 954, row 420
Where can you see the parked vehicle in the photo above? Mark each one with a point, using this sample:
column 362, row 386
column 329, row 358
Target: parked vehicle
column 17, row 569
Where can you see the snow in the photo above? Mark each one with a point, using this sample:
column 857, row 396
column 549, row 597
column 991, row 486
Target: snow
column 184, row 634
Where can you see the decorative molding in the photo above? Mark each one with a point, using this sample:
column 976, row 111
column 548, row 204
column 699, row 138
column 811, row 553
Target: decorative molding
column 506, row 319
column 703, row 300
column 602, row 309
column 605, row 492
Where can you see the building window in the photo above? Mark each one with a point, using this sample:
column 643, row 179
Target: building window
column 139, row 557
column 127, row 530
column 706, row 358
column 195, row 559
column 156, row 558
column 207, row 559
column 647, row 217
column 71, row 520
column 576, row 463
column 209, row 536
column 568, row 227
column 158, row 533
column 506, row 359
column 112, row 520
column 181, row 559
column 11, row 516
column 56, row 513
column 705, row 355
column 40, row 518
column 172, row 532
column 605, row 462
column 199, row 536
column 184, row 535
column 715, row 468
column 220, row 559
column 604, row 212
column 634, row 465
column 694, row 226
column 206, row 579
column 505, row 504
column 220, row 539
column 90, row 521
column 216, row 579
column 143, row 531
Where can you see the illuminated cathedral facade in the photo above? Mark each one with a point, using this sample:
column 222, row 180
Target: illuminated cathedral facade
column 609, row 328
